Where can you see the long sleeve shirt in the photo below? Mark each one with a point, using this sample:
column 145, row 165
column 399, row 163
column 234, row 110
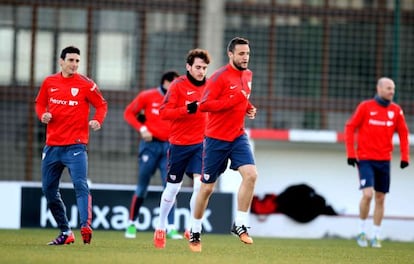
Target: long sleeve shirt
column 226, row 99
column 148, row 101
column 186, row 129
column 374, row 126
column 69, row 100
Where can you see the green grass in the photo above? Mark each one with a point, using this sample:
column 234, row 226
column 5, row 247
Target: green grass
column 29, row 246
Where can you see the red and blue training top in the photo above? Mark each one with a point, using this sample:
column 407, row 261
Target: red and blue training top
column 186, row 129
column 68, row 100
column 149, row 101
column 375, row 125
column 225, row 102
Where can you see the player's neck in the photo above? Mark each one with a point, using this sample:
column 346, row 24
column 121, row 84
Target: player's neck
column 67, row 75
column 194, row 81
column 382, row 101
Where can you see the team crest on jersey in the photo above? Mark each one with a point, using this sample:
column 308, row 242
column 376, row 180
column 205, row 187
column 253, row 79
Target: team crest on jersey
column 249, row 84
column 74, row 91
column 390, row 114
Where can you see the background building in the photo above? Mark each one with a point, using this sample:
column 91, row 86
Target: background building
column 313, row 61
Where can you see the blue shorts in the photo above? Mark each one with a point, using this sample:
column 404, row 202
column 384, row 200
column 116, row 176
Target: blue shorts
column 218, row 152
column 375, row 174
column 183, row 159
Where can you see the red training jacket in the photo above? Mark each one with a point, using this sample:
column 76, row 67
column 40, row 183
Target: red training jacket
column 186, row 129
column 375, row 126
column 227, row 105
column 149, row 101
column 68, row 100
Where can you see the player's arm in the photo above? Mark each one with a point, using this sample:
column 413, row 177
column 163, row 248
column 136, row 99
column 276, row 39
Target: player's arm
column 132, row 110
column 218, row 105
column 251, row 110
column 170, row 108
column 41, row 106
column 211, row 102
column 403, row 134
column 97, row 100
column 351, row 127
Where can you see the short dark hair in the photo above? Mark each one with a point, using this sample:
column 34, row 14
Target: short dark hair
column 198, row 53
column 237, row 41
column 169, row 76
column 69, row 49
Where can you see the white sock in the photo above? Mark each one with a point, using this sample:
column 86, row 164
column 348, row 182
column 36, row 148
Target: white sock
column 196, row 189
column 196, row 226
column 362, row 226
column 170, row 227
column 376, row 231
column 167, row 202
column 241, row 218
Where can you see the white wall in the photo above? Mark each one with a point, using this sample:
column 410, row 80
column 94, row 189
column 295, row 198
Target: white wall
column 323, row 166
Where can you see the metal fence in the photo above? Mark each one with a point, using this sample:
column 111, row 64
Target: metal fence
column 313, row 61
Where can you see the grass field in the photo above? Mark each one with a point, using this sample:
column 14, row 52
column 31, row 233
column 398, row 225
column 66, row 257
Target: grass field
column 29, row 246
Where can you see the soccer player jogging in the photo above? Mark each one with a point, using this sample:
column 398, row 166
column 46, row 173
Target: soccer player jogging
column 226, row 99
column 63, row 104
column 187, row 134
column 374, row 122
column 142, row 114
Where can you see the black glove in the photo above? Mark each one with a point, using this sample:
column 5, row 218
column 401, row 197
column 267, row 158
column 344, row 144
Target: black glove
column 141, row 118
column 404, row 164
column 352, row 162
column 192, row 107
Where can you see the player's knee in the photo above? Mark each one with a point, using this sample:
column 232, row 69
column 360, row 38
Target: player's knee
column 250, row 176
column 379, row 198
column 141, row 192
column 49, row 191
column 206, row 189
column 367, row 194
column 196, row 184
column 81, row 187
column 50, row 195
column 171, row 190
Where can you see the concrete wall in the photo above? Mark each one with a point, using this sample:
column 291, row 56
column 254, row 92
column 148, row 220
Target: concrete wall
column 323, row 166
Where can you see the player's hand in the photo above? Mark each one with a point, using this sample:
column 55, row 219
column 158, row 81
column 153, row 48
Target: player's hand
column 95, row 125
column 192, row 107
column 46, row 117
column 145, row 134
column 251, row 113
column 352, row 162
column 404, row 164
column 141, row 118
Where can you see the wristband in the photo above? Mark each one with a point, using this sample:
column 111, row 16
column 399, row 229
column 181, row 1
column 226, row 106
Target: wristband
column 143, row 129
